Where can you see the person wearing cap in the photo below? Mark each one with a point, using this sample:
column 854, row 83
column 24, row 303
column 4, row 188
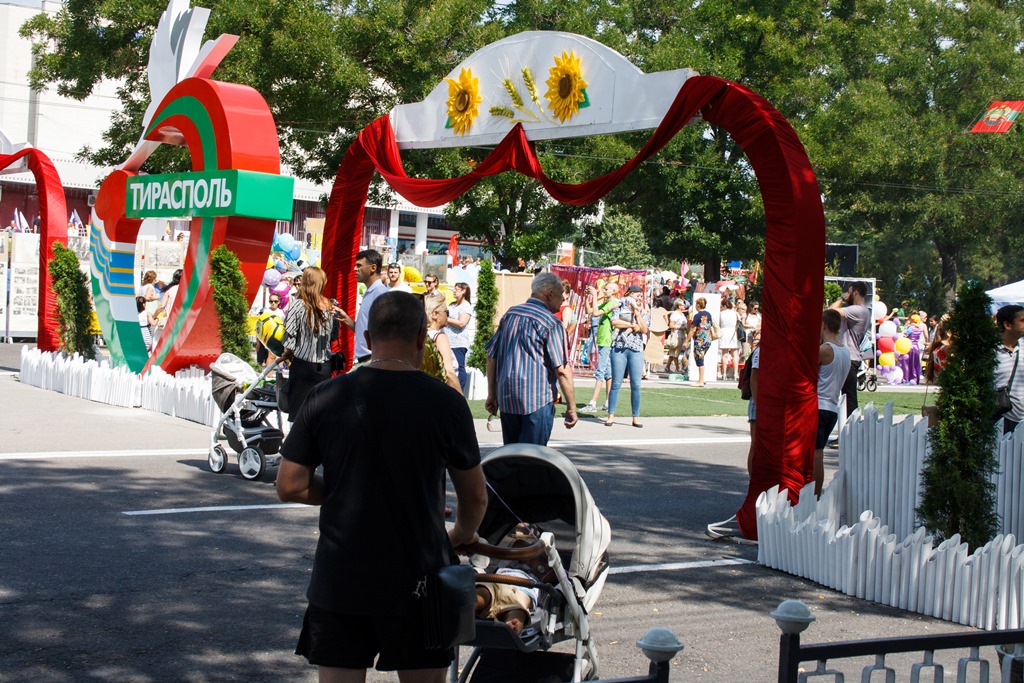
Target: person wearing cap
column 630, row 331
column 527, row 364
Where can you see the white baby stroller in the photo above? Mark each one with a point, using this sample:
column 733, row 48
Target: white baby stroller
column 245, row 423
column 540, row 517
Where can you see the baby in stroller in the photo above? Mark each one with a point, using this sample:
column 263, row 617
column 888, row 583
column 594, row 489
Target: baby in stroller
column 510, row 604
column 515, row 603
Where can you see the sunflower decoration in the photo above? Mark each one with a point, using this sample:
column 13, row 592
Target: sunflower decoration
column 566, row 87
column 463, row 101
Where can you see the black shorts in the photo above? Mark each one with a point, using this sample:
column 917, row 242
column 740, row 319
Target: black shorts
column 349, row 641
column 826, row 422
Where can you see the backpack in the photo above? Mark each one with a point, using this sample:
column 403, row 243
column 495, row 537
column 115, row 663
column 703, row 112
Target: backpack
column 744, row 380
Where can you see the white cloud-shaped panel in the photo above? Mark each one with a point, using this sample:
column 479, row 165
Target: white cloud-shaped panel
column 617, row 96
column 8, row 147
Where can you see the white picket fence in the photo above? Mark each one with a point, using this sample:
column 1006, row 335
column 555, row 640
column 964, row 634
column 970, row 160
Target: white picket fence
column 186, row 394
column 881, row 556
column 883, row 457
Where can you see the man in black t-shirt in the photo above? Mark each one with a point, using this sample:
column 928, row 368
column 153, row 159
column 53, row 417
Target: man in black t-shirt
column 382, row 509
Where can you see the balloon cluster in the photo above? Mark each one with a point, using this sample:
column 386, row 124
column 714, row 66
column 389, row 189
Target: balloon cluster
column 285, row 256
column 893, row 346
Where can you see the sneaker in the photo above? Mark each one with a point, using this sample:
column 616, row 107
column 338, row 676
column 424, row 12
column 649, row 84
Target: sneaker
column 589, row 408
column 605, row 407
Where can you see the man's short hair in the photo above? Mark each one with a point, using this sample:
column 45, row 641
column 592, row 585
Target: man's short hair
column 372, row 258
column 545, row 283
column 859, row 287
column 1006, row 315
column 396, row 316
column 832, row 320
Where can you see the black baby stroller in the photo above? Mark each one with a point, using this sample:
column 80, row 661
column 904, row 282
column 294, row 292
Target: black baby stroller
column 245, row 423
column 540, row 517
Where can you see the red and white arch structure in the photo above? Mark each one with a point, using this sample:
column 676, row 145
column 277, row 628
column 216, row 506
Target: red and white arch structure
column 611, row 95
column 52, row 228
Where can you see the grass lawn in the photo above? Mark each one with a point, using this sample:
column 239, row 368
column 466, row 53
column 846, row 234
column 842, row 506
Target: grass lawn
column 661, row 400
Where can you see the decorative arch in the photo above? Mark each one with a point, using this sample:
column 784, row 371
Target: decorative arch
column 53, row 228
column 794, row 260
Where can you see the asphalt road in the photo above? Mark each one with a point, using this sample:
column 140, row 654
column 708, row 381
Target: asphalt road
column 90, row 592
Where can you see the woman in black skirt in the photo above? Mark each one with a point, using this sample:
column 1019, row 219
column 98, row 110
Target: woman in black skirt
column 310, row 326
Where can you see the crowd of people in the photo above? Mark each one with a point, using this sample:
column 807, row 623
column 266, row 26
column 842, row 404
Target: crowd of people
column 529, row 371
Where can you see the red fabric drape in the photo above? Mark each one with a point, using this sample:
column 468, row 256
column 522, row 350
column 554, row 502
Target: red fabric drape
column 53, row 227
column 795, row 248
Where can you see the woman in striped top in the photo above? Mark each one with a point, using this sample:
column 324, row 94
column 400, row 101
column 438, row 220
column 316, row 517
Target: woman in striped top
column 310, row 326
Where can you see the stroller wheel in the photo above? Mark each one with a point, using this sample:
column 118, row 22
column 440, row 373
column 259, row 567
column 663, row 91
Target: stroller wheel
column 217, row 459
column 252, row 462
column 872, row 384
column 861, row 383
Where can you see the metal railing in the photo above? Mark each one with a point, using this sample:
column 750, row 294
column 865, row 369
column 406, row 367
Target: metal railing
column 792, row 617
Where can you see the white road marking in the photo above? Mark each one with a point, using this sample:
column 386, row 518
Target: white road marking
column 672, row 566
column 153, row 453
column 170, row 452
column 629, row 569
column 639, row 442
column 215, row 508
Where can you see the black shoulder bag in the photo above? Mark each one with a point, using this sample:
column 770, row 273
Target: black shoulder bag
column 446, row 597
column 1003, row 402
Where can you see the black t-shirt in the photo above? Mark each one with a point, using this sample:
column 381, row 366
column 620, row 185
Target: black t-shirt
column 374, row 515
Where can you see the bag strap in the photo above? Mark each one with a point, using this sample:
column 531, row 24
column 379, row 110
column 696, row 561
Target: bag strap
column 1013, row 373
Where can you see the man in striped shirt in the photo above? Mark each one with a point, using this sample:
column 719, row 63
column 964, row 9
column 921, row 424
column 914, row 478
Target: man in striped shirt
column 526, row 365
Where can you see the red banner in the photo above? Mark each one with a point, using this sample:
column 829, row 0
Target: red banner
column 998, row 117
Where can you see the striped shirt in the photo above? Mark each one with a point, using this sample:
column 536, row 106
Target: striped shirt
column 307, row 346
column 528, row 349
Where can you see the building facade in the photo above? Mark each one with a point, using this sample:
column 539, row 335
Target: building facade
column 61, row 127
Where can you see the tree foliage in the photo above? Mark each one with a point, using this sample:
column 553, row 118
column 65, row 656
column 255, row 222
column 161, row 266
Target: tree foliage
column 74, row 309
column 621, row 242
column 957, row 495
column 483, row 311
column 901, row 175
column 232, row 307
column 881, row 92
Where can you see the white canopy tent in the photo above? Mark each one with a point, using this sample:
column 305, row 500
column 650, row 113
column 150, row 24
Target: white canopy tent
column 1012, row 293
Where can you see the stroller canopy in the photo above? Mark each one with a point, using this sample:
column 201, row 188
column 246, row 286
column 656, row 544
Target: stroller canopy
column 536, row 484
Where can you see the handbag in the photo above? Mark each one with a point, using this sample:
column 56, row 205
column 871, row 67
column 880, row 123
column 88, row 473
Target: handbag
column 741, row 334
column 281, row 390
column 1004, row 403
column 444, row 600
column 716, row 332
column 337, row 362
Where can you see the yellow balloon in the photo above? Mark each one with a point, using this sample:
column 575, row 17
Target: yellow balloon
column 270, row 331
column 887, row 360
column 412, row 274
column 903, row 345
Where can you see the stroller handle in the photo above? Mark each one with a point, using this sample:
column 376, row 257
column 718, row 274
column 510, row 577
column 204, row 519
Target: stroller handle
column 503, row 553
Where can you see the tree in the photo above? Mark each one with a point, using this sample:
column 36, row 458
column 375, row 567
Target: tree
column 232, row 307
column 326, row 70
column 957, row 495
column 486, row 302
column 73, row 308
column 901, row 175
column 621, row 242
column 514, row 216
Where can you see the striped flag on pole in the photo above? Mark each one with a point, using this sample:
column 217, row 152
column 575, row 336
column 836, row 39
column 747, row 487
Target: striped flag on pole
column 998, row 117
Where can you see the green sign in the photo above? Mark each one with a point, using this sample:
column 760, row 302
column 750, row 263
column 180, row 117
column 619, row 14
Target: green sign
column 210, row 193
